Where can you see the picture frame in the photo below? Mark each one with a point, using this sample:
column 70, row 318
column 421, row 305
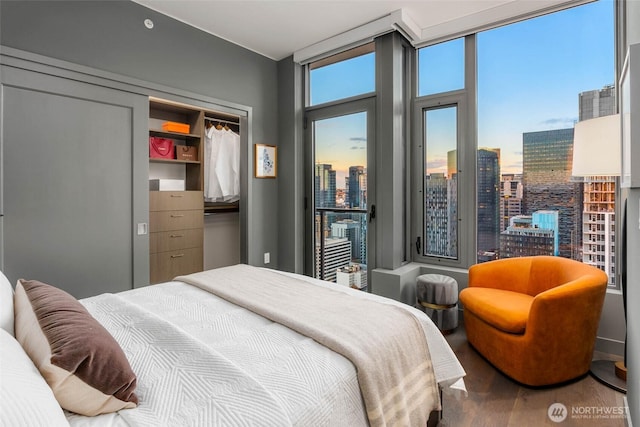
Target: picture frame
column 265, row 160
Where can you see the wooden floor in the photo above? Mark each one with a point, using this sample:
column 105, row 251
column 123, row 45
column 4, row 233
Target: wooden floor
column 494, row 400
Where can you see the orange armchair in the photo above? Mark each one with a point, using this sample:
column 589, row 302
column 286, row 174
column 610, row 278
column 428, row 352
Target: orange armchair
column 535, row 318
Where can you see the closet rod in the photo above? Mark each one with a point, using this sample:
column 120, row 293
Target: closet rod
column 222, row 121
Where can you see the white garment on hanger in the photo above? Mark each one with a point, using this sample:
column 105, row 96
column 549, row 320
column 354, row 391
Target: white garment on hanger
column 222, row 165
column 227, row 166
column 212, row 140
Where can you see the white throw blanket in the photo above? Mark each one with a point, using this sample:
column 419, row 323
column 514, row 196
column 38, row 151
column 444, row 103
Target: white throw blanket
column 384, row 342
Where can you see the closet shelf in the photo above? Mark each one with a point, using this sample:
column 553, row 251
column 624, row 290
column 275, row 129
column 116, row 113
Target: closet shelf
column 159, row 132
column 157, row 160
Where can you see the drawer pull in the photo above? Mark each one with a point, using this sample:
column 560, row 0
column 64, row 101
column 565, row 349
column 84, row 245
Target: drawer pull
column 176, row 195
column 177, row 256
column 176, row 235
column 176, row 216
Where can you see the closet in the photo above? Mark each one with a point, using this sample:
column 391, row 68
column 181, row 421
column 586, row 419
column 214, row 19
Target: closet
column 192, row 227
column 81, row 204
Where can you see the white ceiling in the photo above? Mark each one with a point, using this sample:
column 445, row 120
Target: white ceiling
column 278, row 28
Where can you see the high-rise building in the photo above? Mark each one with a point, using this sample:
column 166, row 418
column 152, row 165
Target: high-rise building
column 510, row 198
column 452, row 163
column 548, row 220
column 546, row 179
column 325, row 186
column 598, row 213
column 441, row 215
column 355, row 232
column 524, row 238
column 597, row 103
column 354, row 276
column 357, row 187
column 488, row 174
column 598, row 224
column 336, row 254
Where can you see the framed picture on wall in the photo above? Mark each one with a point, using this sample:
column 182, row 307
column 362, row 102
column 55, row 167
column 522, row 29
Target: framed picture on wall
column 266, row 161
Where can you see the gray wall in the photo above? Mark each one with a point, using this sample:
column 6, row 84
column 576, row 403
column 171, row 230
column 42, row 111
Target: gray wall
column 111, row 36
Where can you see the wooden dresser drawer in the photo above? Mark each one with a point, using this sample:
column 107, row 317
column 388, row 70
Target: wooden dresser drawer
column 175, row 200
column 175, row 220
column 177, row 239
column 167, row 265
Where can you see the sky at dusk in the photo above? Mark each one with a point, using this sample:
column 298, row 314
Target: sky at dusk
column 529, row 77
column 531, row 73
column 341, row 142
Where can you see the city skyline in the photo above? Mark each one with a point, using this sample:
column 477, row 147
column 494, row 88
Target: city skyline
column 543, row 211
column 334, row 146
column 531, row 78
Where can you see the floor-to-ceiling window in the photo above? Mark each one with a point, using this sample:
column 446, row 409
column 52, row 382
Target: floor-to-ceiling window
column 532, row 81
column 339, row 124
column 441, row 187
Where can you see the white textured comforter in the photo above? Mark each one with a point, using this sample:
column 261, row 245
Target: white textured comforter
column 201, row 360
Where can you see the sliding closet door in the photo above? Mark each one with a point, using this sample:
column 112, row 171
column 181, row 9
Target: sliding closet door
column 74, row 183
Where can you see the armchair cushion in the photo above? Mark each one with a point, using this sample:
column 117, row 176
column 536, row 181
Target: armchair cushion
column 504, row 310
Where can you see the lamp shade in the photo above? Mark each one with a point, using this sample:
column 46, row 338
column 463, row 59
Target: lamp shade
column 596, row 147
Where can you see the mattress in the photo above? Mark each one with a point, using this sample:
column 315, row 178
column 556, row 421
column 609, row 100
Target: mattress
column 201, row 360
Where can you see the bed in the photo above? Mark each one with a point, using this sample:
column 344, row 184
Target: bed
column 197, row 358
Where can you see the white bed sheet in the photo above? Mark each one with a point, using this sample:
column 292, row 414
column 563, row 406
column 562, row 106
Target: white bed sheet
column 307, row 384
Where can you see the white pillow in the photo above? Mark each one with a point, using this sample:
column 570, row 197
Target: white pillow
column 26, row 398
column 6, row 304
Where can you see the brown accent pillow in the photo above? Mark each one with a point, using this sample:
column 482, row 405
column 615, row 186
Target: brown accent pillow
column 82, row 363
